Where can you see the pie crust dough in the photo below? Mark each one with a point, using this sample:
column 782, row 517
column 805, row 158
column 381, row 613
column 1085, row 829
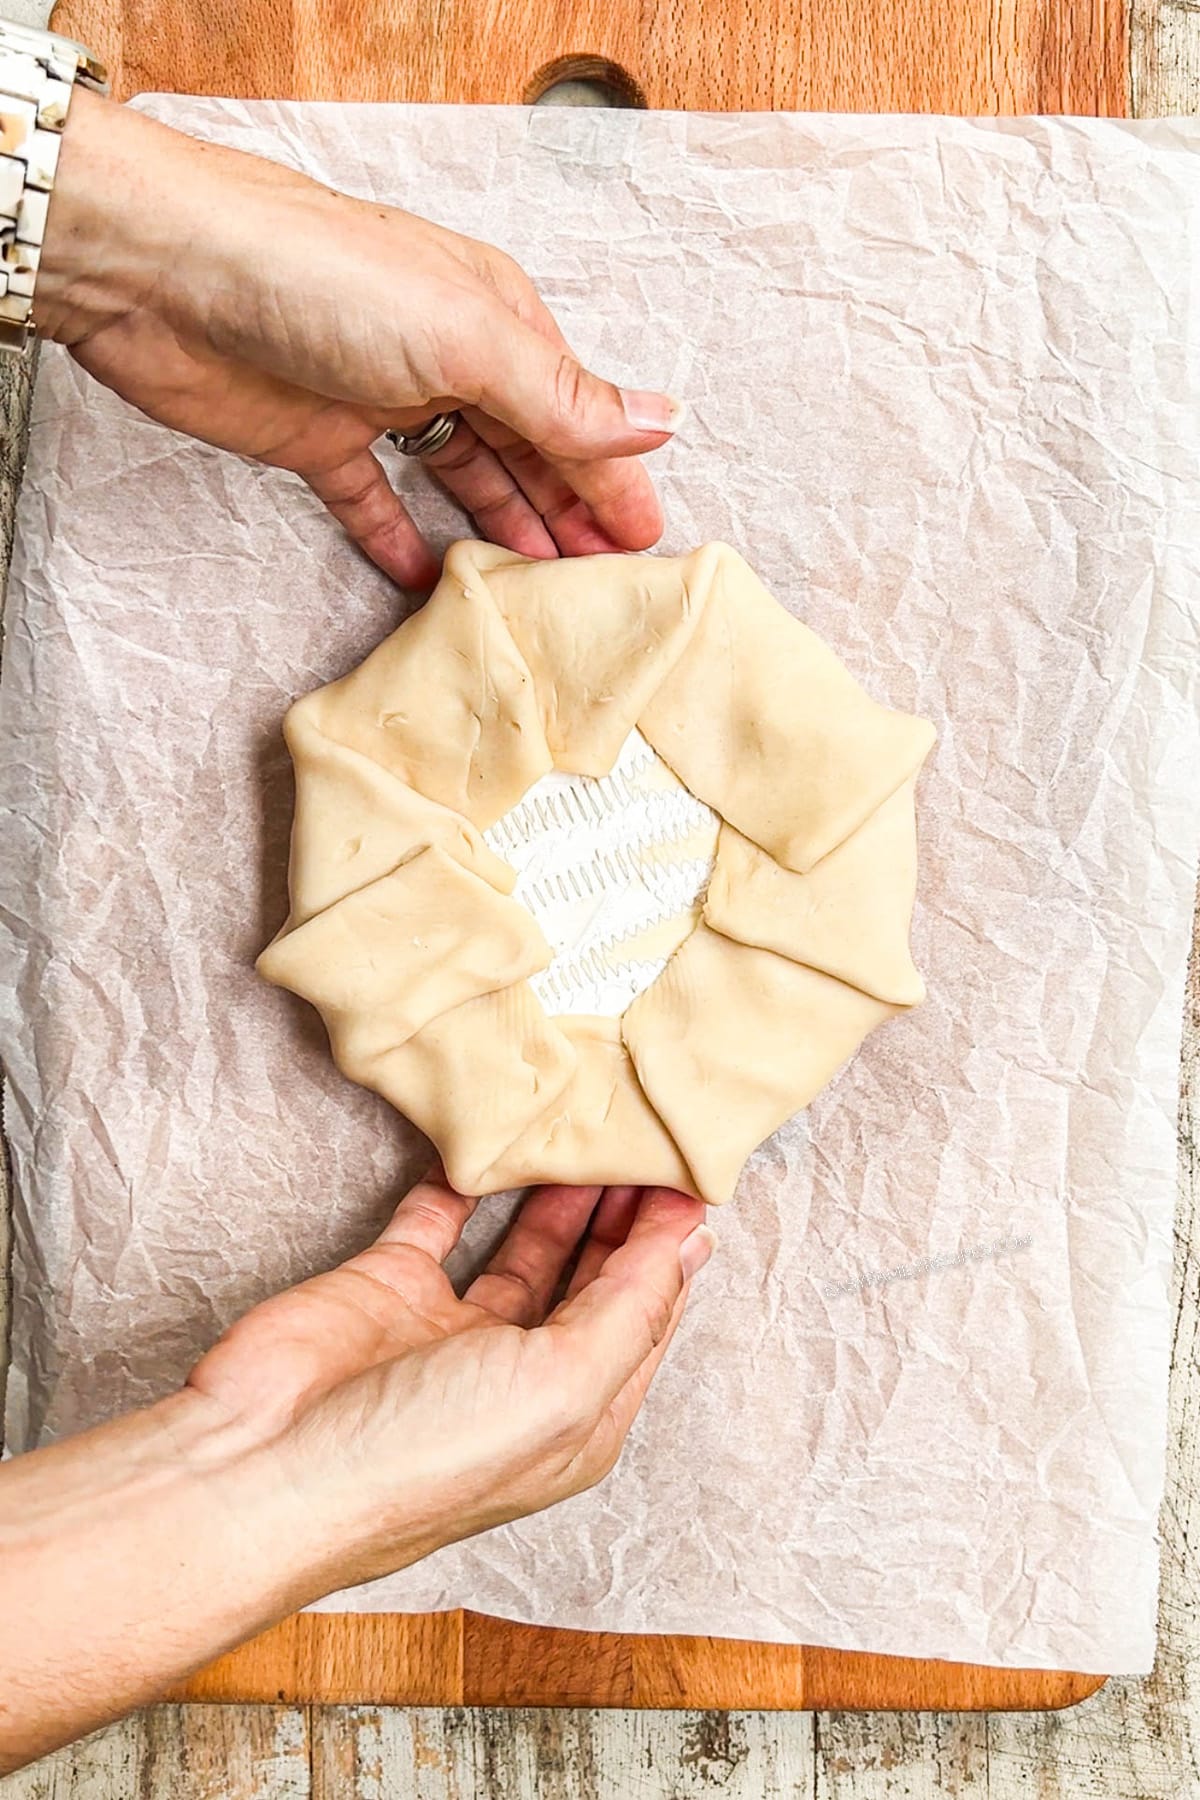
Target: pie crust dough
column 402, row 931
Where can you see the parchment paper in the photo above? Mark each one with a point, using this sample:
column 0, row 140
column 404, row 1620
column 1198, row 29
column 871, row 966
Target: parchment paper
column 942, row 380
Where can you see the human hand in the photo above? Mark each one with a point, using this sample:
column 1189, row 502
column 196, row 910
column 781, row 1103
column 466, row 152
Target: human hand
column 340, row 1430
column 405, row 1418
column 233, row 299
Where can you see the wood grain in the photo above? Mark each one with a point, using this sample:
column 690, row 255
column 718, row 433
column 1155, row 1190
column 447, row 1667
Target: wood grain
column 468, row 1659
column 963, row 56
column 409, row 1659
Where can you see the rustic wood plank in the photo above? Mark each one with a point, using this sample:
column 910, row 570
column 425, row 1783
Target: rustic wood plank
column 15, row 390
column 251, row 1753
column 99, row 1768
column 969, row 56
column 180, row 1753
column 367, row 1753
column 1165, row 58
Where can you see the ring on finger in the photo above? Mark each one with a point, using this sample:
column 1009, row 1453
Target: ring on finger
column 432, row 437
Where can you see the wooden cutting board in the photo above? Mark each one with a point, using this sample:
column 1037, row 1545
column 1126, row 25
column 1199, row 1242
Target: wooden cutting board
column 951, row 56
column 956, row 56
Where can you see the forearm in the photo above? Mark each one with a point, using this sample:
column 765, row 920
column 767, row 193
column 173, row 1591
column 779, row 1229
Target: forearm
column 144, row 216
column 148, row 220
column 109, row 232
column 131, row 1555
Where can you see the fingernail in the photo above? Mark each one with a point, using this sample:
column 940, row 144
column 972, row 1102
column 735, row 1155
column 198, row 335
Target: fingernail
column 651, row 412
column 695, row 1251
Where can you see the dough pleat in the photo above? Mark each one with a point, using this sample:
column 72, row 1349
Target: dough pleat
column 730, row 1041
column 354, row 821
column 849, row 916
column 381, row 963
column 601, row 1122
column 445, row 703
column 474, row 1079
column 760, row 719
column 598, row 635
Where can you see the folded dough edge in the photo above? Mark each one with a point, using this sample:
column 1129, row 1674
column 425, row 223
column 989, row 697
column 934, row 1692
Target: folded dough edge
column 443, row 727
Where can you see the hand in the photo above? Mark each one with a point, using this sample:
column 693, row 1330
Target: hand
column 340, row 1430
column 235, row 300
column 412, row 1418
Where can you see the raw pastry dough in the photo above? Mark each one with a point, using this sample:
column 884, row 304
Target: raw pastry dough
column 402, row 931
column 848, row 916
column 393, row 955
column 791, row 751
column 730, row 1041
column 604, row 1106
column 446, row 704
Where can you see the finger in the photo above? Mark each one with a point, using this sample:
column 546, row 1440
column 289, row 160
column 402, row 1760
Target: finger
column 610, row 1430
column 591, row 507
column 519, row 1282
column 361, row 499
column 628, row 1403
column 612, row 1325
column 570, row 520
column 430, row 1217
column 608, row 1230
column 616, row 500
column 308, row 1339
column 547, row 397
column 499, row 506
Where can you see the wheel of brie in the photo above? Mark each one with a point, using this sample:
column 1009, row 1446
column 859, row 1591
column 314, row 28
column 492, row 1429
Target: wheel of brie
column 600, row 868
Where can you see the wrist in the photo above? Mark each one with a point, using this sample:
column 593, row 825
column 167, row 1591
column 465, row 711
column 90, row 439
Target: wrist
column 143, row 217
column 110, row 221
column 378, row 1481
column 353, row 1516
column 262, row 1502
column 140, row 1488
column 308, row 1512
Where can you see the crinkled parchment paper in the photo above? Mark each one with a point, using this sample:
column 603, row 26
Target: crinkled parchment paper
column 943, row 396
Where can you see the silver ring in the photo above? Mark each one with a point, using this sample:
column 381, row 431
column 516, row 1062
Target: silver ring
column 434, row 436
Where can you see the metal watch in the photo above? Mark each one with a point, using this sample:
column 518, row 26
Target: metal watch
column 38, row 72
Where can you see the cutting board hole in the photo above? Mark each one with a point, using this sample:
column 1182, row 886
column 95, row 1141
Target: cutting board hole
column 583, row 81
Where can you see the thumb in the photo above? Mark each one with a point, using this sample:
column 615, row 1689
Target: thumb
column 542, row 392
column 619, row 1319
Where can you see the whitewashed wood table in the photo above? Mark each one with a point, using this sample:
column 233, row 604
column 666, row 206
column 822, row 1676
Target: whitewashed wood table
column 1135, row 1740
